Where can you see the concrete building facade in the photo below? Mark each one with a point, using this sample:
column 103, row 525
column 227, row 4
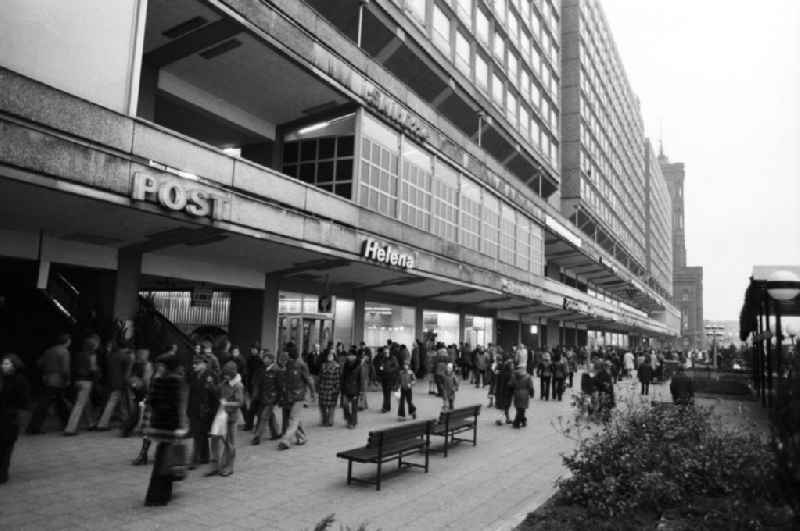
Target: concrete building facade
column 373, row 171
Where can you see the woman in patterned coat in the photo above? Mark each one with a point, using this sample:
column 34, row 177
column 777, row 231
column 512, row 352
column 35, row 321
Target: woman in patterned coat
column 329, row 381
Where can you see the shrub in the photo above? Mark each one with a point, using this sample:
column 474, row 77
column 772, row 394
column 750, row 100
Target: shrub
column 651, row 459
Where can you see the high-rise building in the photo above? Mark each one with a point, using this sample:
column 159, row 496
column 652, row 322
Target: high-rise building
column 687, row 289
column 603, row 143
column 316, row 170
column 658, row 220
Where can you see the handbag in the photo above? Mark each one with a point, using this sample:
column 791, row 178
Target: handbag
column 219, row 426
column 175, row 462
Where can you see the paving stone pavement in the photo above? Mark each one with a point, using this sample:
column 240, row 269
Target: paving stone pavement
column 87, row 482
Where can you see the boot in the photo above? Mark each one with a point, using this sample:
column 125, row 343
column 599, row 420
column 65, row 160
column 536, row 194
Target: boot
column 141, row 459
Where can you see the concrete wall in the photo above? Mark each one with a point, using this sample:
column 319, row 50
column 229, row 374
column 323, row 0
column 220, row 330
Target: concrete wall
column 84, row 48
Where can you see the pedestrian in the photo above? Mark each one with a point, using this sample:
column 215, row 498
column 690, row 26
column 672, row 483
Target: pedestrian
column 681, row 387
column 449, row 388
column 589, row 390
column 147, row 408
column 480, row 368
column 118, row 368
column 365, row 366
column 572, row 367
column 521, row 384
column 605, row 387
column 138, row 384
column 203, row 405
column 167, row 428
column 267, row 389
column 223, row 430
column 13, row 400
column 645, row 373
column 241, row 369
column 254, row 370
column 352, row 384
column 559, row 376
column 84, row 373
column 503, row 389
column 628, row 364
column 387, row 370
column 54, row 365
column 330, row 375
column 406, row 379
column 296, row 380
column 545, row 372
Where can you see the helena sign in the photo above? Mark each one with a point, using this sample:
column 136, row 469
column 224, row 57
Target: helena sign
column 385, row 254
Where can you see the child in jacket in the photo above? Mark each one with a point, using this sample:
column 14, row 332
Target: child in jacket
column 449, row 388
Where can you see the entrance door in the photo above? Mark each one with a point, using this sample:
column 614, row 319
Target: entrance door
column 316, row 331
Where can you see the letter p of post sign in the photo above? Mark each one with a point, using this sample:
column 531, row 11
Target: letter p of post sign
column 385, row 254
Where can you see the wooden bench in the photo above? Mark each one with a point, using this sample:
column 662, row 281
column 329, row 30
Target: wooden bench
column 389, row 444
column 457, row 421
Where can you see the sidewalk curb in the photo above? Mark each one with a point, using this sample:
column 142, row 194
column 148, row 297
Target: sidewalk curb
column 512, row 522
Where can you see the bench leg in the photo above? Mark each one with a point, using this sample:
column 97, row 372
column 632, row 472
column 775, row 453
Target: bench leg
column 426, row 458
column 349, row 471
column 445, row 443
column 378, row 481
column 475, row 432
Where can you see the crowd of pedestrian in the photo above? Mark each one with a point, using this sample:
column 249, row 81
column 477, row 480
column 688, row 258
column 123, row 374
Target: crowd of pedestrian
column 222, row 392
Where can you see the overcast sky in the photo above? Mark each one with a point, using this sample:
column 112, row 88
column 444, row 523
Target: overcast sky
column 721, row 80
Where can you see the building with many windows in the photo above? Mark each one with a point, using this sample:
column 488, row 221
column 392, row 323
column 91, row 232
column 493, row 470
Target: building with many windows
column 658, row 222
column 306, row 170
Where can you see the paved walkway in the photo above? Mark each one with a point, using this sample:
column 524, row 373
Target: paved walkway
column 86, row 482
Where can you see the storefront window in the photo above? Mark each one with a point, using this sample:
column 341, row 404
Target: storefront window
column 507, row 236
column 523, row 242
column 478, row 331
column 383, row 322
column 490, row 225
column 445, row 202
column 443, row 324
column 537, row 249
column 469, row 231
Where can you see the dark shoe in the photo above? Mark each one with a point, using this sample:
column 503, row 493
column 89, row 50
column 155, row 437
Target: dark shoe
column 256, row 441
column 141, row 459
column 149, row 503
column 211, row 473
column 274, row 437
column 192, row 466
column 225, row 474
column 283, row 446
column 247, row 428
column 70, row 433
column 509, row 421
column 515, row 426
column 98, row 428
column 414, row 415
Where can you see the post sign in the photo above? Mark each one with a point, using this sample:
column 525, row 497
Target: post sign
column 386, row 254
column 178, row 196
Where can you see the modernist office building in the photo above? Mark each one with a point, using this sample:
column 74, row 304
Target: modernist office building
column 314, row 170
column 687, row 281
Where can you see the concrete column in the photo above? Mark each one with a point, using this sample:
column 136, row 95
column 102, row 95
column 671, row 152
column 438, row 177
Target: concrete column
column 270, row 299
column 359, row 312
column 553, row 328
column 126, row 288
column 418, row 322
column 462, row 324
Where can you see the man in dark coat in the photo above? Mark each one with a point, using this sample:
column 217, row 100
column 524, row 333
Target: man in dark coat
column 503, row 391
column 295, row 382
column 351, row 387
column 681, row 387
column 202, row 408
column 254, row 367
column 13, row 399
column 267, row 393
column 387, row 370
column 645, row 373
column 55, row 368
column 522, row 385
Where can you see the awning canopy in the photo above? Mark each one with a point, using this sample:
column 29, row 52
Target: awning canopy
column 757, row 300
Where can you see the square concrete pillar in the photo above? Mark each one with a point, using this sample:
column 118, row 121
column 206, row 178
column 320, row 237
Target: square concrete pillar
column 359, row 311
column 462, row 324
column 254, row 315
column 418, row 323
column 126, row 288
column 553, row 334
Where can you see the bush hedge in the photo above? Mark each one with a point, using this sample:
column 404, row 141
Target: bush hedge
column 652, row 459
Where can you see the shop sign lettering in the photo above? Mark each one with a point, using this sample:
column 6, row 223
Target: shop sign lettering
column 385, row 254
column 395, row 112
column 520, row 290
column 174, row 195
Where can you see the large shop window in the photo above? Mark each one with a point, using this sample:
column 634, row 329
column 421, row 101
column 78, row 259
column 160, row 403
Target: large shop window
column 490, row 225
column 344, row 313
column 445, row 202
column 523, row 243
column 478, row 331
column 415, row 186
column 507, row 236
column 383, row 322
column 470, row 229
column 322, row 154
column 443, row 324
column 380, row 148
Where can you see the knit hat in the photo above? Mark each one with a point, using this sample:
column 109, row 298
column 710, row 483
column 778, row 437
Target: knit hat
column 229, row 369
